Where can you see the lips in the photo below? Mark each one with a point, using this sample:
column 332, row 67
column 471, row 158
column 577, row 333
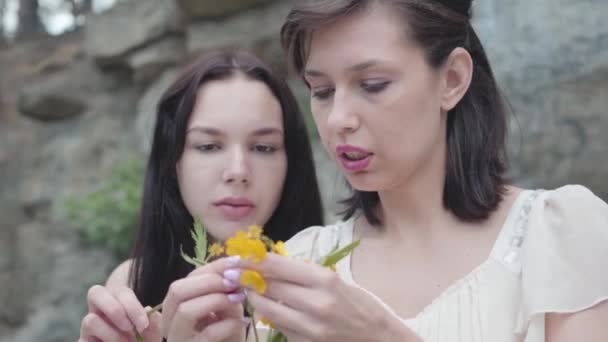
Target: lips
column 353, row 158
column 234, row 208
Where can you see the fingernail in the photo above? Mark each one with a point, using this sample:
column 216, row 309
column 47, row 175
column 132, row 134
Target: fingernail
column 236, row 297
column 234, row 260
column 229, row 283
column 233, row 274
column 246, row 320
column 142, row 323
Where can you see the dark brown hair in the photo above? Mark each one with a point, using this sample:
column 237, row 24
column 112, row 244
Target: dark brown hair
column 165, row 222
column 477, row 126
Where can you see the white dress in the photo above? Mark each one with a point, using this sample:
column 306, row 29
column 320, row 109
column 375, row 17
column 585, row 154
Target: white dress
column 550, row 256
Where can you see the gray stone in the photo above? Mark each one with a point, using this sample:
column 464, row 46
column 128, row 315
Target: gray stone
column 51, row 281
column 50, row 107
column 130, row 25
column 149, row 62
column 45, row 272
column 240, row 30
column 62, row 94
column 551, row 60
column 146, row 110
column 213, row 8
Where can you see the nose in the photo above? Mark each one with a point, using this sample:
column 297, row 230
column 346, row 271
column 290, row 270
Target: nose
column 237, row 168
column 342, row 117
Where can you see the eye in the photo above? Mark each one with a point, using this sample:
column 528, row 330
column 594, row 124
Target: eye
column 374, row 86
column 264, row 148
column 322, row 93
column 208, row 147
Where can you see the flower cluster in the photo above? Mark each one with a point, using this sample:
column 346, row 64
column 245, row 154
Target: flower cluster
column 252, row 245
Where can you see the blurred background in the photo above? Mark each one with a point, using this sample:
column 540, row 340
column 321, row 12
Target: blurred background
column 79, row 80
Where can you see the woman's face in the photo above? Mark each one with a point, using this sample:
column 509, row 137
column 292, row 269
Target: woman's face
column 375, row 100
column 233, row 167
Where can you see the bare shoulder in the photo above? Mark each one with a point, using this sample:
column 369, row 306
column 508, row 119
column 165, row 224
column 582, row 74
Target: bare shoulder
column 120, row 276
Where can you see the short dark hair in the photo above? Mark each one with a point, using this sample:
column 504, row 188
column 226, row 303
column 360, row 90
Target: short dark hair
column 477, row 126
column 165, row 222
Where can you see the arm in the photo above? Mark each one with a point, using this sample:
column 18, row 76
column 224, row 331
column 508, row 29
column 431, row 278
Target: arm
column 589, row 325
column 120, row 276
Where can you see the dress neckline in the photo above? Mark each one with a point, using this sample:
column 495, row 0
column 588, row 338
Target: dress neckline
column 344, row 267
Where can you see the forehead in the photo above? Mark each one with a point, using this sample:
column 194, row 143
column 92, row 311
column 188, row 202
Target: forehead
column 374, row 33
column 236, row 102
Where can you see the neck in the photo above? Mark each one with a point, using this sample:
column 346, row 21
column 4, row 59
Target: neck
column 415, row 207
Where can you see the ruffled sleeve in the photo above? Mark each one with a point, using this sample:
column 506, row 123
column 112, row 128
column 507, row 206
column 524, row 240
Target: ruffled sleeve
column 564, row 257
column 314, row 242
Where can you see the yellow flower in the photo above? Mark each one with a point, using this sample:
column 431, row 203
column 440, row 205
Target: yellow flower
column 279, row 248
column 254, row 280
column 265, row 321
column 216, row 250
column 245, row 247
column 255, row 232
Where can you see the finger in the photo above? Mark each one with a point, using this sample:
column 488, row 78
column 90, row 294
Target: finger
column 152, row 333
column 293, row 295
column 282, row 317
column 299, row 272
column 95, row 327
column 223, row 330
column 135, row 311
column 217, row 266
column 190, row 312
column 103, row 303
column 185, row 289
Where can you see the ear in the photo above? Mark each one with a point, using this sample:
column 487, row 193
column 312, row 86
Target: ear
column 457, row 75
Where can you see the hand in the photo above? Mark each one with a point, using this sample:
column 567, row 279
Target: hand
column 308, row 302
column 114, row 315
column 204, row 307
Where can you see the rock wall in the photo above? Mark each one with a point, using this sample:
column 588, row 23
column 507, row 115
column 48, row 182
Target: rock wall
column 74, row 106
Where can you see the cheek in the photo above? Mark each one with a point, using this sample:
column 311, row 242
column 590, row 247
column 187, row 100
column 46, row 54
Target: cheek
column 271, row 182
column 320, row 120
column 193, row 176
column 318, row 116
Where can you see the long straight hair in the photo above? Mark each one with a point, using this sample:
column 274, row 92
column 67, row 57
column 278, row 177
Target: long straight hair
column 476, row 127
column 165, row 222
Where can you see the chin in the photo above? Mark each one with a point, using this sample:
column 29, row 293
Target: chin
column 368, row 182
column 363, row 182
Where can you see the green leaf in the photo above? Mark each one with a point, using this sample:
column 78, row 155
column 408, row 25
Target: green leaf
column 267, row 242
column 276, row 336
column 337, row 255
column 199, row 234
column 189, row 260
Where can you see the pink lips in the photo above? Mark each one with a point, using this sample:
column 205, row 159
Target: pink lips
column 235, row 208
column 361, row 161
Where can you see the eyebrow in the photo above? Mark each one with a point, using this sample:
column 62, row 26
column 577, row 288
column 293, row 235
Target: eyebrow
column 357, row 67
column 216, row 132
column 267, row 131
column 206, row 130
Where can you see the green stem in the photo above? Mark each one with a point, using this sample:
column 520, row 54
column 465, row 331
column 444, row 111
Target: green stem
column 251, row 313
column 156, row 308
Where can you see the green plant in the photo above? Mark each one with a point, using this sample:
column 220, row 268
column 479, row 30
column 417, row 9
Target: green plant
column 107, row 217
